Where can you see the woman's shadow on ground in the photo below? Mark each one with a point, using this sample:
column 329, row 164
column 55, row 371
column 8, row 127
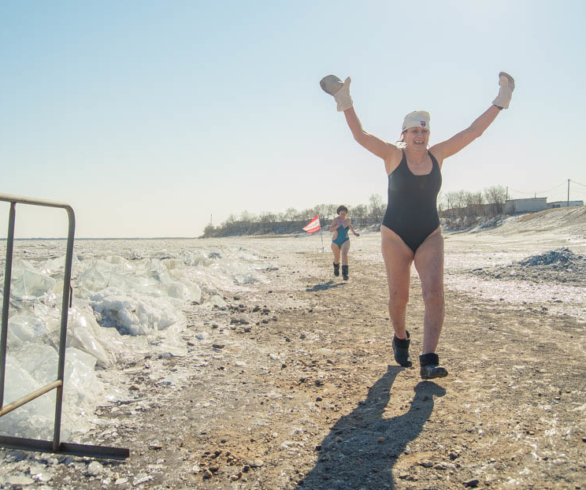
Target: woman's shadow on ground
column 362, row 447
column 324, row 286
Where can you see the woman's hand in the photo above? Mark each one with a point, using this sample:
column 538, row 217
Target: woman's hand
column 452, row 146
column 507, row 85
column 332, row 85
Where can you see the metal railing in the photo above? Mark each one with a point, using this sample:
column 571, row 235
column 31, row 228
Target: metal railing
column 55, row 445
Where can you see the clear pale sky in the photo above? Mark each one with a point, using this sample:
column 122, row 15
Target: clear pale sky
column 150, row 117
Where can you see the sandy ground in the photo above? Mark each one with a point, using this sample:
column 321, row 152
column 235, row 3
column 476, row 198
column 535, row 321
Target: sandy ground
column 293, row 385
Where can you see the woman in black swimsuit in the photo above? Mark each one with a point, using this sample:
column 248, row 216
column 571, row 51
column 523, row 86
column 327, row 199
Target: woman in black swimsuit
column 410, row 231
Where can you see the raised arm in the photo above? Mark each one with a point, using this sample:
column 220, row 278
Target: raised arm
column 464, row 138
column 375, row 145
column 341, row 92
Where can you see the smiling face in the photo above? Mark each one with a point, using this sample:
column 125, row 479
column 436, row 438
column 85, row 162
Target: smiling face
column 416, row 138
column 343, row 214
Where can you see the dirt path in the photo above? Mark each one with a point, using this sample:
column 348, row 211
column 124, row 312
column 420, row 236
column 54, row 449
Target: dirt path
column 293, row 385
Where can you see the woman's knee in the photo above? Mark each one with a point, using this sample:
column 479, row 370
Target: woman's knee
column 434, row 296
column 398, row 299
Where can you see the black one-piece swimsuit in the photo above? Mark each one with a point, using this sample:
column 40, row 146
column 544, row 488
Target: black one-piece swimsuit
column 412, row 203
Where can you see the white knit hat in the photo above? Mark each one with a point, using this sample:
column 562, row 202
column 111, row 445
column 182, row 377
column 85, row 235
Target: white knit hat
column 416, row 119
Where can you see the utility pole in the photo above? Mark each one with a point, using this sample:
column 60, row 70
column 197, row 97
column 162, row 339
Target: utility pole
column 568, row 193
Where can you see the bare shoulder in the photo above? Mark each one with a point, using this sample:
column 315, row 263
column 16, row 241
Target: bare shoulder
column 393, row 159
column 438, row 153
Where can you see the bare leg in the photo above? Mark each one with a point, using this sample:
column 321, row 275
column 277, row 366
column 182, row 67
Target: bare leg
column 398, row 258
column 345, row 248
column 336, row 251
column 429, row 262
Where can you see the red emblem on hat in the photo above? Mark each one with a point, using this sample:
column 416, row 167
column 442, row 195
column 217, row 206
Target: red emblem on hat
column 422, row 124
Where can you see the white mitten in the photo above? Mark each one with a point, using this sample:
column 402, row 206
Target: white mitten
column 341, row 91
column 507, row 85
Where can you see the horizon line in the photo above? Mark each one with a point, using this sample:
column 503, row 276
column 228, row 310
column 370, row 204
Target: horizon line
column 106, row 238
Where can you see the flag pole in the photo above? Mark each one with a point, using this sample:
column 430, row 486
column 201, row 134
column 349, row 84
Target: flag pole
column 313, row 226
column 321, row 234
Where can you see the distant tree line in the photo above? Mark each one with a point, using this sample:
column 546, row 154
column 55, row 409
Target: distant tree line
column 459, row 204
column 293, row 220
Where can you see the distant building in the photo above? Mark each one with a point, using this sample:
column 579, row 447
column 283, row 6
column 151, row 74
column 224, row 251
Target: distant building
column 511, row 206
column 531, row 205
column 564, row 204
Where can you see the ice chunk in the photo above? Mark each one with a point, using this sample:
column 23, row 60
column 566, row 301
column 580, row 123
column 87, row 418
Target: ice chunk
column 119, row 261
column 198, row 258
column 121, row 281
column 171, row 264
column 93, row 279
column 27, row 282
column 25, row 328
column 82, row 388
column 134, row 314
column 56, row 266
column 183, row 287
column 216, row 300
column 33, row 366
column 85, row 334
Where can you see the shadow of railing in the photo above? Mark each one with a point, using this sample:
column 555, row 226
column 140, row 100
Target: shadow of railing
column 363, row 446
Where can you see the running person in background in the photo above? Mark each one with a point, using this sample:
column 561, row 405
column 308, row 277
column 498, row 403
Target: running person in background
column 410, row 230
column 340, row 226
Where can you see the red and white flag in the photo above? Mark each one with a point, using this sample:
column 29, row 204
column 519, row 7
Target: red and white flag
column 313, row 225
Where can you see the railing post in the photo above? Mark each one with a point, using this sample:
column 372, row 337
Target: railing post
column 63, row 336
column 6, row 299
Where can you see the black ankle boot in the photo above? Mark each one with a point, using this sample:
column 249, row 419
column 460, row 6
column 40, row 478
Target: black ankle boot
column 401, row 350
column 430, row 367
column 336, row 269
column 345, row 272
